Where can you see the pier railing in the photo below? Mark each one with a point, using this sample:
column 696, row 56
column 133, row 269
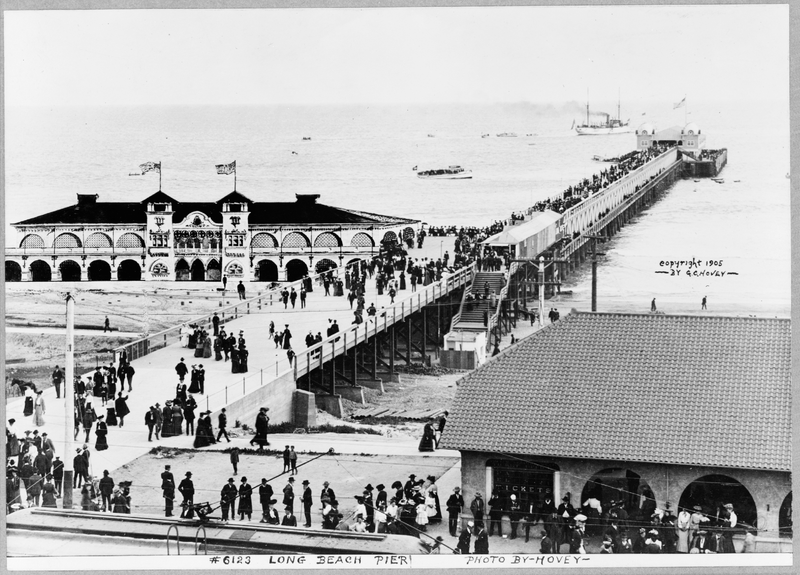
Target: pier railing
column 339, row 343
column 153, row 342
column 457, row 316
column 494, row 319
column 600, row 224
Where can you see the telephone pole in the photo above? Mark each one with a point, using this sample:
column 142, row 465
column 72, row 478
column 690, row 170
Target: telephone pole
column 594, row 239
column 540, row 282
column 69, row 404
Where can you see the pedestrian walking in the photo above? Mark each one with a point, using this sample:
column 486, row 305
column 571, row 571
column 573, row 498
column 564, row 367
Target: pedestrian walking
column 215, row 323
column 262, row 422
column 101, row 444
column 302, row 297
column 464, row 539
column 186, row 489
column 703, row 304
column 106, row 325
column 106, row 486
column 121, row 408
column 58, row 378
column 222, row 422
column 49, row 493
column 235, row 459
column 181, row 370
column 287, row 463
column 58, row 474
column 240, row 289
column 455, row 506
column 288, row 495
column 293, row 459
column 129, row 371
column 653, row 305
column 265, row 498
column 38, row 410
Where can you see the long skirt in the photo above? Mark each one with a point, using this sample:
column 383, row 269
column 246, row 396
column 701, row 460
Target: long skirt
column 198, row 351
column 203, row 437
column 28, row 406
column 102, row 443
column 683, row 541
column 167, row 429
column 207, row 349
column 38, row 416
column 192, row 341
column 426, row 443
column 111, row 416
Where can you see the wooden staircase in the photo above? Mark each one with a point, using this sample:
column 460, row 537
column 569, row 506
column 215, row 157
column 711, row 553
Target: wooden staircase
column 471, row 314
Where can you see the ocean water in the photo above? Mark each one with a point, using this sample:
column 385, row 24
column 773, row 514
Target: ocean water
column 362, row 157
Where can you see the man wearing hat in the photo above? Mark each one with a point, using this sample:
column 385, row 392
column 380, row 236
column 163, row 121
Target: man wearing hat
column 308, row 502
column 186, row 489
column 576, row 541
column 106, row 489
column 289, row 520
column 408, row 488
column 481, row 540
column 370, row 505
column 330, row 514
column 227, row 497
column 168, row 490
column 465, row 538
column 245, row 500
column 264, row 496
column 58, row 474
column 288, row 494
column 696, row 520
column 478, row 508
column 455, row 506
column 327, row 492
column 181, row 370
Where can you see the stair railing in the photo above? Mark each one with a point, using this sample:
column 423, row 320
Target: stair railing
column 495, row 317
column 467, row 289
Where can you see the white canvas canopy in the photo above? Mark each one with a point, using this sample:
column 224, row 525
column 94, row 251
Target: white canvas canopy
column 513, row 235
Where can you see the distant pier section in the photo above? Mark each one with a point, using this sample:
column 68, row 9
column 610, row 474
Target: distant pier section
column 559, row 234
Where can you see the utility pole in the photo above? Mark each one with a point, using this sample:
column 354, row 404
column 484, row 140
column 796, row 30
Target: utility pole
column 69, row 405
column 594, row 239
column 540, row 282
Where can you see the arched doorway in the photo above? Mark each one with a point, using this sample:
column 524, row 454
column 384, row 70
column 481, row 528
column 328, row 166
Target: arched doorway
column 41, row 272
column 785, row 517
column 324, row 265
column 267, row 271
column 214, row 271
column 622, row 485
column 295, row 270
column 182, row 273
column 530, row 481
column 198, row 271
column 99, row 271
column 712, row 492
column 389, row 238
column 70, row 271
column 128, row 271
column 13, row 272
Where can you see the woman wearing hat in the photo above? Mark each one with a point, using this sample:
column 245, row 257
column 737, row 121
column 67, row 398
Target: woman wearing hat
column 101, row 432
column 428, row 438
column 682, row 524
column 38, row 410
column 271, row 516
column 49, row 492
column 697, row 519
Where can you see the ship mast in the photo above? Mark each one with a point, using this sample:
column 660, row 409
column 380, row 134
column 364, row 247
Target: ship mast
column 619, row 116
column 587, row 106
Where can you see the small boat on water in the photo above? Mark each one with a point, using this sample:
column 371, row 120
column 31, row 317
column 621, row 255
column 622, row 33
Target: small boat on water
column 485, row 135
column 306, row 139
column 507, row 135
column 719, row 180
column 431, row 136
column 448, row 173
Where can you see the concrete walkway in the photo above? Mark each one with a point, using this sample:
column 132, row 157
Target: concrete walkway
column 155, row 378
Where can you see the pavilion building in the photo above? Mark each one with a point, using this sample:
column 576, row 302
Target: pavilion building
column 161, row 238
column 691, row 410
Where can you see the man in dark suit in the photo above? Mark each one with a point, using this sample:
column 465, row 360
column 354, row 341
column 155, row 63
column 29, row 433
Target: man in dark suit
column 307, row 502
column 181, row 370
column 227, row 498
column 168, row 488
column 186, row 488
column 223, row 423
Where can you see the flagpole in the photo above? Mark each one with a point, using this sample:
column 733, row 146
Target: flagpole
column 160, row 165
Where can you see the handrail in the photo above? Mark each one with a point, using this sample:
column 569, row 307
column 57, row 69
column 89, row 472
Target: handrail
column 457, row 316
column 336, row 344
column 205, row 540
column 493, row 320
column 624, row 205
column 140, row 347
column 177, row 538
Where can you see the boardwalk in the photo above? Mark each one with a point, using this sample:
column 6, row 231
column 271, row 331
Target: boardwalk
column 155, row 378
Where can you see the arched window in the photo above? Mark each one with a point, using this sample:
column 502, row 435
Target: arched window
column 264, row 240
column 327, row 240
column 67, row 241
column 295, row 240
column 130, row 240
column 98, row 240
column 32, row 241
column 362, row 240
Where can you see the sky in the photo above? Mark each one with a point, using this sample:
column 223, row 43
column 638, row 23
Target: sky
column 396, row 55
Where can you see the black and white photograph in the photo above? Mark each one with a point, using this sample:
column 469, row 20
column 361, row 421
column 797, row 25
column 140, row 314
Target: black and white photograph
column 549, row 248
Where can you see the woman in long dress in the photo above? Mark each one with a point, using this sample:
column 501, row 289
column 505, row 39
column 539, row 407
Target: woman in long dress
column 28, row 402
column 204, row 435
column 195, row 381
column 184, row 333
column 198, row 349
column 218, row 348
column 101, row 432
column 177, row 419
column 428, row 436
column 38, row 410
column 192, row 340
column 243, row 353
column 432, row 491
column 207, row 347
column 234, row 360
column 167, row 428
column 682, row 525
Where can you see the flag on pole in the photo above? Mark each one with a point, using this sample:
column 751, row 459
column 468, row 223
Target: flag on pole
column 680, row 104
column 150, row 167
column 225, row 169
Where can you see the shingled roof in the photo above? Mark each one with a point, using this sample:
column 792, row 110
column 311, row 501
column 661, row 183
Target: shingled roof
column 304, row 211
column 684, row 390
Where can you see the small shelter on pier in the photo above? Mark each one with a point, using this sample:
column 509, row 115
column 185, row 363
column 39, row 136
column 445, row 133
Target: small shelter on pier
column 528, row 239
column 690, row 138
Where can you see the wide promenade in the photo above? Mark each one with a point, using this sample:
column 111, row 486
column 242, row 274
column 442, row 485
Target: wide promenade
column 155, row 379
